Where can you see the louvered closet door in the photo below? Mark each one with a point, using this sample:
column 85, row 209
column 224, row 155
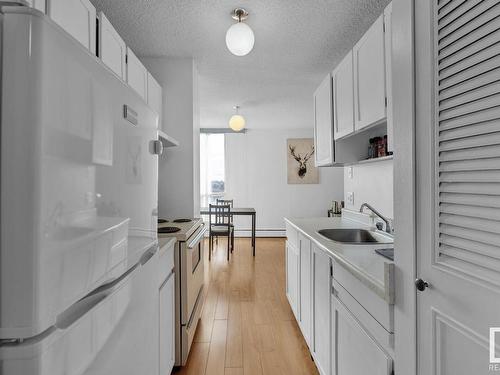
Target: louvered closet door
column 458, row 183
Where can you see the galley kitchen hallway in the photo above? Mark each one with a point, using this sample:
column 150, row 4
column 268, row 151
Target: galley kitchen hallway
column 247, row 326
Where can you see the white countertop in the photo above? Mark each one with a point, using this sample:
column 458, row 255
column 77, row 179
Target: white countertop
column 374, row 270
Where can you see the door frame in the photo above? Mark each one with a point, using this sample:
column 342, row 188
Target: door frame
column 404, row 96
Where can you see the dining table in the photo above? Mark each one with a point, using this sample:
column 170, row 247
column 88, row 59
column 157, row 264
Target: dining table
column 239, row 211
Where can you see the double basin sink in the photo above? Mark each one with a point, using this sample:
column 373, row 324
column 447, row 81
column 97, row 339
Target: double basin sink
column 356, row 236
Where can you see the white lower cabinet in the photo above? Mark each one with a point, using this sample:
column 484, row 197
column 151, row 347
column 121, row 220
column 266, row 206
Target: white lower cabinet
column 167, row 324
column 354, row 351
column 305, row 297
column 321, row 284
column 166, row 316
column 348, row 331
column 292, row 278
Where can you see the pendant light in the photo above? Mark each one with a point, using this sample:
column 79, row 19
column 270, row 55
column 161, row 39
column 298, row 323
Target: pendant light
column 239, row 37
column 237, row 121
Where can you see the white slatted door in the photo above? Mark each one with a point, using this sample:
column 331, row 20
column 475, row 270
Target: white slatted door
column 458, row 184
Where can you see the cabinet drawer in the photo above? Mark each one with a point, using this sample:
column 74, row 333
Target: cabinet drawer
column 377, row 306
column 384, row 337
column 354, row 349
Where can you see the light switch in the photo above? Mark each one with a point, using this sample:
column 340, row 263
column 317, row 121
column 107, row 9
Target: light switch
column 350, row 197
column 349, row 172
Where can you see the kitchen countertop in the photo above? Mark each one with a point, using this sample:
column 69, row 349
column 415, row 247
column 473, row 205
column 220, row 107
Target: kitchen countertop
column 162, row 241
column 372, row 269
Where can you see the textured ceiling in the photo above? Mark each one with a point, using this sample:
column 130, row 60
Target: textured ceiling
column 296, row 43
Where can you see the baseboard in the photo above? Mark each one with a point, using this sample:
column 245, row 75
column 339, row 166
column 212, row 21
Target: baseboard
column 260, row 233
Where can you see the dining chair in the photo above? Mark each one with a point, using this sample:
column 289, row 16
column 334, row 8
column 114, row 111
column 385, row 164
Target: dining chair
column 221, row 226
column 222, row 201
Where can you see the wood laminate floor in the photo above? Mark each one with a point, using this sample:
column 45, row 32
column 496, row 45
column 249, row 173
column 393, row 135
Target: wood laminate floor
column 247, row 326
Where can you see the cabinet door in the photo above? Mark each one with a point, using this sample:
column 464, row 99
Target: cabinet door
column 305, row 288
column 155, row 96
column 323, row 124
column 369, row 76
column 112, row 48
column 388, row 74
column 77, row 17
column 137, row 74
column 354, row 351
column 321, row 276
column 343, row 98
column 292, row 278
column 167, row 326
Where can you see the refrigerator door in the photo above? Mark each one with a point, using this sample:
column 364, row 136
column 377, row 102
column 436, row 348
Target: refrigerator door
column 78, row 173
column 113, row 331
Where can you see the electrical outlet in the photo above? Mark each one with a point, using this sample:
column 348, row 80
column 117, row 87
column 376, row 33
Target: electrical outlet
column 349, row 172
column 350, row 197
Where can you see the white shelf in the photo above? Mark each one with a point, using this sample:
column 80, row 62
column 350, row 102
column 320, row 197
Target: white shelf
column 373, row 160
column 167, row 140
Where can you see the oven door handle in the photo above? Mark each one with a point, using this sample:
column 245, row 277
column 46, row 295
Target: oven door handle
column 197, row 237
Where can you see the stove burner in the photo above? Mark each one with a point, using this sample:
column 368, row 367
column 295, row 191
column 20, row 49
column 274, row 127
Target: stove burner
column 161, row 221
column 168, row 230
column 182, row 220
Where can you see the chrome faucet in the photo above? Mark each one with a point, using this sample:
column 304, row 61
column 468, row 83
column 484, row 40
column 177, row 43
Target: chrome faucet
column 388, row 227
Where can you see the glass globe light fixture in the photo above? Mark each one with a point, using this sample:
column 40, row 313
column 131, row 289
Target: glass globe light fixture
column 237, row 121
column 239, row 37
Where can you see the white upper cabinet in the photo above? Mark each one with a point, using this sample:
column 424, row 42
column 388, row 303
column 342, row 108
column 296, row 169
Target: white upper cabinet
column 388, row 74
column 137, row 74
column 77, row 17
column 112, row 48
column 369, row 76
column 343, row 98
column 323, row 125
column 155, row 96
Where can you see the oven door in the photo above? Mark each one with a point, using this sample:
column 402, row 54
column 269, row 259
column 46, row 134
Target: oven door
column 192, row 274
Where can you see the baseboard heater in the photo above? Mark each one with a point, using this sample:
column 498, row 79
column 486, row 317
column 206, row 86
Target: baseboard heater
column 260, row 233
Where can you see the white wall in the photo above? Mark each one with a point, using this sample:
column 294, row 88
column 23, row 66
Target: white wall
column 178, row 190
column 256, row 176
column 371, row 183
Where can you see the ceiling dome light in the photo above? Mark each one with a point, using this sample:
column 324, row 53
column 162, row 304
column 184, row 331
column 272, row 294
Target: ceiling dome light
column 237, row 121
column 239, row 37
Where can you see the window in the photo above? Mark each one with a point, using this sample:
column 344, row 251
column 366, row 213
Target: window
column 212, row 168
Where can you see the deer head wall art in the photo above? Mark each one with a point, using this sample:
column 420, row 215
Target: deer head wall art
column 301, row 169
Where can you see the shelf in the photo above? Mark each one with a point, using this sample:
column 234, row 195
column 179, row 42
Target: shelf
column 167, row 140
column 373, row 160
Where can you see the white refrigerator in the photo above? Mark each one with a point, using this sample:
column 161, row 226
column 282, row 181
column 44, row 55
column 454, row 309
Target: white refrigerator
column 78, row 185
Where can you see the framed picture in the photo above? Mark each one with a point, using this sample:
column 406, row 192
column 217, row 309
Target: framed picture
column 300, row 161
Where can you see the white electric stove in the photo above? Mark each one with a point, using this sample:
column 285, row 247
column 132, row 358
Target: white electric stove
column 189, row 278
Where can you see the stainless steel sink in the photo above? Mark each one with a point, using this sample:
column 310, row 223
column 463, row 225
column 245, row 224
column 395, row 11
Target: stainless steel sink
column 355, row 236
